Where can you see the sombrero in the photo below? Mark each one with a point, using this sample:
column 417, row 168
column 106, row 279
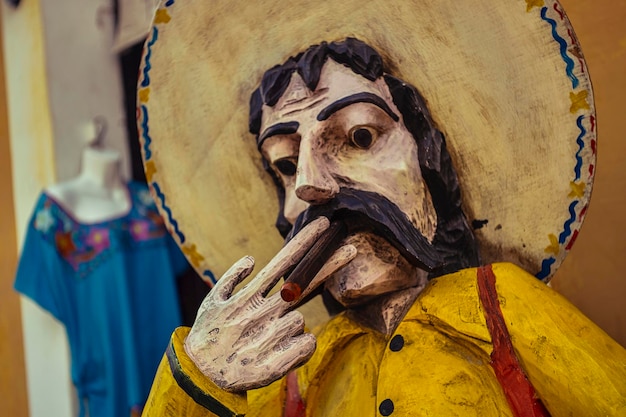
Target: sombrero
column 504, row 81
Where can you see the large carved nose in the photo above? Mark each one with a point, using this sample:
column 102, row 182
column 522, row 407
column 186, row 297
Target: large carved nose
column 315, row 183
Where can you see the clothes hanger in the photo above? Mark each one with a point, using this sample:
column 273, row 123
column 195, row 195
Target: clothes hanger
column 97, row 132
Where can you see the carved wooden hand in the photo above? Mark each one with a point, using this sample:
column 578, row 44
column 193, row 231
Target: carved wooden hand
column 249, row 340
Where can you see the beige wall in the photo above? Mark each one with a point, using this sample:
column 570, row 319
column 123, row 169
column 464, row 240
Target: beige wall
column 594, row 275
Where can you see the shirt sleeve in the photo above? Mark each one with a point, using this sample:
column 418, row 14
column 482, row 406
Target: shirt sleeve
column 35, row 272
column 180, row 389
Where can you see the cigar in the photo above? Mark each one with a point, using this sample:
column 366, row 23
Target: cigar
column 302, row 275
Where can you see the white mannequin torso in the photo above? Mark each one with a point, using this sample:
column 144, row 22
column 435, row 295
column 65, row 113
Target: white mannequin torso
column 98, row 193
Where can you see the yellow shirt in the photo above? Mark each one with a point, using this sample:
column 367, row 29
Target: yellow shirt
column 436, row 363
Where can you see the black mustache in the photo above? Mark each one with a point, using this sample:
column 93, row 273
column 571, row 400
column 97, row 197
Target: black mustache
column 372, row 212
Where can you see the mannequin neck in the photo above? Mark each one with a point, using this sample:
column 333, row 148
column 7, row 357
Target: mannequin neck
column 101, row 168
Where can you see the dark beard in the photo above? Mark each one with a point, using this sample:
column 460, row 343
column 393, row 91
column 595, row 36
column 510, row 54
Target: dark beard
column 365, row 211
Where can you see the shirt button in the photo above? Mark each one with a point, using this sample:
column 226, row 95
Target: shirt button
column 397, row 343
column 386, row 407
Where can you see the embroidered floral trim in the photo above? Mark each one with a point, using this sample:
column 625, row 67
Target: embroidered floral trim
column 84, row 246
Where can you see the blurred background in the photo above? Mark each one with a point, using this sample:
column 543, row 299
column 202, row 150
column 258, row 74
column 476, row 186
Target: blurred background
column 66, row 62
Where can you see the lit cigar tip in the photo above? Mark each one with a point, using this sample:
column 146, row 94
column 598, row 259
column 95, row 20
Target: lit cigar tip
column 290, row 291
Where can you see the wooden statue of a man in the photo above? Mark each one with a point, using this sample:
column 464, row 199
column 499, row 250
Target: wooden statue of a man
column 371, row 206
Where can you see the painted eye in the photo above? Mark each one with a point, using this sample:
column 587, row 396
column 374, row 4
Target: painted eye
column 286, row 167
column 362, row 137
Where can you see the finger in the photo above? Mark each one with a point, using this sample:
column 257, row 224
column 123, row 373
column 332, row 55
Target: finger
column 235, row 274
column 288, row 256
column 284, row 356
column 338, row 260
column 293, row 351
column 291, row 324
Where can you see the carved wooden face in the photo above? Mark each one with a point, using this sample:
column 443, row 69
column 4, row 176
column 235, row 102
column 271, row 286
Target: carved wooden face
column 348, row 133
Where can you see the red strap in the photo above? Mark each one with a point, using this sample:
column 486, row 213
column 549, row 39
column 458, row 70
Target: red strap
column 294, row 405
column 518, row 390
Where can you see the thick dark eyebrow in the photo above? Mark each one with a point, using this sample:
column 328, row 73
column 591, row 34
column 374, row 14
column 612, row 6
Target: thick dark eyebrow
column 287, row 128
column 356, row 98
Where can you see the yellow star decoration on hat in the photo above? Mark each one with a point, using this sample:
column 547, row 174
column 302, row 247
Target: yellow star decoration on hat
column 162, row 16
column 554, row 244
column 579, row 101
column 578, row 189
column 192, row 253
column 533, row 3
column 144, row 95
column 150, row 169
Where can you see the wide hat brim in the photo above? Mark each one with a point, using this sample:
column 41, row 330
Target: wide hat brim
column 504, row 81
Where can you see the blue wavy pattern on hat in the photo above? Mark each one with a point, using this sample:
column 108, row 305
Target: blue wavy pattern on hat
column 147, row 65
column 568, row 223
column 168, row 211
column 147, row 140
column 569, row 63
column 581, row 146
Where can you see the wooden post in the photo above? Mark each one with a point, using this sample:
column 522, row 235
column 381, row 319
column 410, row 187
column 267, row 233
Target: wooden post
column 12, row 373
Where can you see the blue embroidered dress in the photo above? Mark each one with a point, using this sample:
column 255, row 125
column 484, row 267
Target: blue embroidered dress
column 112, row 284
